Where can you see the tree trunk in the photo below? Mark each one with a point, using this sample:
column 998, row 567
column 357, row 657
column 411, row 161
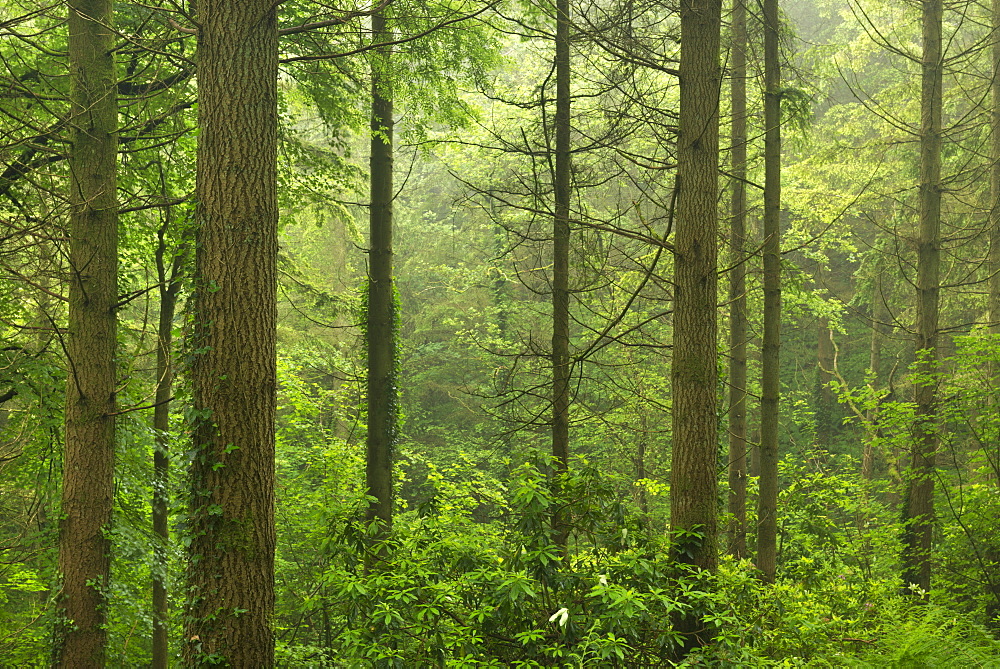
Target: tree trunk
column 88, row 463
column 880, row 316
column 693, row 498
column 694, row 375
column 381, row 324
column 826, row 403
column 994, row 266
column 560, row 269
column 640, row 467
column 767, row 521
column 919, row 504
column 737, row 291
column 169, row 288
column 233, row 368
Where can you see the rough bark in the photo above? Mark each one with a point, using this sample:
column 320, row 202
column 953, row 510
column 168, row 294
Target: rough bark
column 381, row 323
column 919, row 503
column 693, row 497
column 233, row 368
column 560, row 266
column 88, row 462
column 737, row 290
column 767, row 527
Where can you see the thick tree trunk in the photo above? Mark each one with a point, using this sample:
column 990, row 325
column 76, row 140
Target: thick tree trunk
column 233, row 369
column 88, row 463
column 693, row 498
column 560, row 268
column 381, row 323
column 169, row 288
column 737, row 290
column 767, row 527
column 694, row 375
column 919, row 505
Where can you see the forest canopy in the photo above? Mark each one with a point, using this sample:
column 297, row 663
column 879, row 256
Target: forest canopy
column 500, row 333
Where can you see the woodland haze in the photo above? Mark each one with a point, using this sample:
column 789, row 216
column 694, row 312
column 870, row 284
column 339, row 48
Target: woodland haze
column 500, row 333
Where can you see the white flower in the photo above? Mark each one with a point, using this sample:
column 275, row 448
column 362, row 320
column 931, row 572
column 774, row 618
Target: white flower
column 603, row 580
column 562, row 614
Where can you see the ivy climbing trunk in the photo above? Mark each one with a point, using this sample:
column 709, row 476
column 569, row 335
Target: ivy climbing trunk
column 233, row 340
column 767, row 506
column 737, row 288
column 693, row 482
column 561, row 369
column 919, row 502
column 381, row 312
column 89, row 458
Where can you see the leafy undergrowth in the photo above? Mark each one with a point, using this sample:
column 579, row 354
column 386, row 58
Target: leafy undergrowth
column 449, row 591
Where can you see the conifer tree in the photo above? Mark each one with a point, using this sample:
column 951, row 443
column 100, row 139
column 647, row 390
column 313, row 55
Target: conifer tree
column 693, row 482
column 233, row 342
column 91, row 338
column 767, row 507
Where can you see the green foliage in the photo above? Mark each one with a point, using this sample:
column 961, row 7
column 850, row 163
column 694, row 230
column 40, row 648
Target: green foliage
column 930, row 637
column 454, row 592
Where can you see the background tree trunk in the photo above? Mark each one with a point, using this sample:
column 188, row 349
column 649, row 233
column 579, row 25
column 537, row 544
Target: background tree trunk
column 169, row 289
column 560, row 267
column 767, row 521
column 231, row 572
column 880, row 328
column 994, row 266
column 382, row 318
column 826, row 401
column 88, row 464
column 737, row 290
column 919, row 504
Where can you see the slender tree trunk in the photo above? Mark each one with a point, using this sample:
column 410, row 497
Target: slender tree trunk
column 767, row 527
column 89, row 460
column 381, row 325
column 880, row 316
column 693, row 499
column 826, row 403
column 233, row 342
column 640, row 465
column 169, row 288
column 994, row 266
column 737, row 291
column 501, row 299
column 919, row 504
column 560, row 268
